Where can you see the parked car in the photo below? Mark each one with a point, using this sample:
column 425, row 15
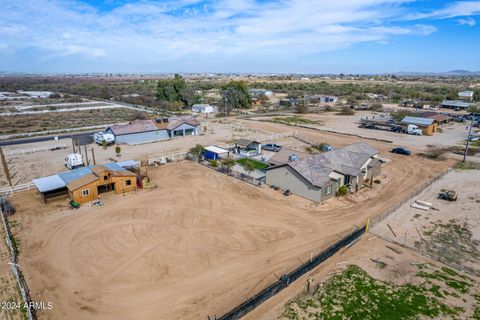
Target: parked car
column 271, row 147
column 401, row 151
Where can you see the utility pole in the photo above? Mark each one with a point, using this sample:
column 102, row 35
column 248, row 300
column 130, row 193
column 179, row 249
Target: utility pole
column 86, row 156
column 93, row 157
column 5, row 167
column 468, row 139
column 225, row 104
column 73, row 144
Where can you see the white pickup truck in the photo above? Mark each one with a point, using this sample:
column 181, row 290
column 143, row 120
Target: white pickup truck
column 100, row 136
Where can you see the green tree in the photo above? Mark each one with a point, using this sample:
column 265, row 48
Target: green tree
column 227, row 163
column 474, row 109
column 104, row 144
column 235, row 95
column 172, row 90
column 196, row 152
column 118, row 151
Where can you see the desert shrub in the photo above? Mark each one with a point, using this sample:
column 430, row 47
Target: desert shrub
column 376, row 107
column 342, row 191
column 346, row 111
column 377, row 181
column 434, row 153
column 214, row 163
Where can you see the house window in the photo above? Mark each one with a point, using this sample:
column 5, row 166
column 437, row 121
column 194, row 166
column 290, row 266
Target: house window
column 128, row 182
column 85, row 192
column 105, row 177
column 328, row 190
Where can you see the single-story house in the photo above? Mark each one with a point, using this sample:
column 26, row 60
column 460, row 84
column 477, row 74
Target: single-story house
column 214, row 153
column 465, row 95
column 138, row 131
column 318, row 177
column 429, row 126
column 203, row 108
column 183, row 126
column 286, row 155
column 260, row 92
column 247, row 147
column 455, row 104
column 143, row 131
column 320, row 98
column 94, row 179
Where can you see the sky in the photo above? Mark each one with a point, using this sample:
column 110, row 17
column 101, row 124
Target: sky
column 247, row 36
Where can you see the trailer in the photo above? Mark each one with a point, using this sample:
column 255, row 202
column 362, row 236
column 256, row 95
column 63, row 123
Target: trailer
column 390, row 125
column 382, row 125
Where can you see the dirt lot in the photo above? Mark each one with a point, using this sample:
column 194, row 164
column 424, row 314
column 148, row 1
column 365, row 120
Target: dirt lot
column 25, row 167
column 451, row 234
column 186, row 251
column 453, row 133
column 61, row 120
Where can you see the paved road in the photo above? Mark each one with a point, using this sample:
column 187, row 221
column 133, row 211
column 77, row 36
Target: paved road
column 84, row 137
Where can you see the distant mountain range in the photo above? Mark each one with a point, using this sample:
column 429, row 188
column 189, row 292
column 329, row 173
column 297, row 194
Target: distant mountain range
column 452, row 73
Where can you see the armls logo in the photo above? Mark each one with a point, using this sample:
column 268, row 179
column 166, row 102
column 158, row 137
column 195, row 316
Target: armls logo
column 40, row 305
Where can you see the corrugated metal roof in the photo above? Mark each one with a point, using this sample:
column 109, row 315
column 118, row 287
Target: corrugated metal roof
column 418, row 121
column 455, row 103
column 62, row 179
column 49, row 183
column 128, row 164
column 216, row 150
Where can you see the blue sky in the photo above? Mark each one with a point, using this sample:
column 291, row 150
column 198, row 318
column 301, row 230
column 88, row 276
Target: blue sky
column 303, row 36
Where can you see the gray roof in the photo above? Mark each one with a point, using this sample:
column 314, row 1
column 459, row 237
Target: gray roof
column 136, row 126
column 347, row 161
column 281, row 156
column 418, row 121
column 242, row 142
column 455, row 103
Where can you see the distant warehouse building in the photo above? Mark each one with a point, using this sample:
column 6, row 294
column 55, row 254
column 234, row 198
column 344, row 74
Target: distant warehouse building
column 144, row 131
column 455, row 104
column 465, row 95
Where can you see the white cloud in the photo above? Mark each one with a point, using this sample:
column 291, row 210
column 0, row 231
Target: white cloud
column 467, row 21
column 452, row 10
column 161, row 32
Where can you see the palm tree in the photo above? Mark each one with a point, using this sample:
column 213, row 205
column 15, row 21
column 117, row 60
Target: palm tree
column 248, row 166
column 227, row 163
column 196, row 152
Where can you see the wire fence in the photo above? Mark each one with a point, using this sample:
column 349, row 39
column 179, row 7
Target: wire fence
column 22, row 285
column 415, row 192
